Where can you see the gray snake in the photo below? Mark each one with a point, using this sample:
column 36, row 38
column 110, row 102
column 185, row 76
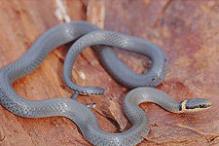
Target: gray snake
column 80, row 114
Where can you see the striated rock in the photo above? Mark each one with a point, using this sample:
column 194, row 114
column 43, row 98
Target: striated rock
column 187, row 31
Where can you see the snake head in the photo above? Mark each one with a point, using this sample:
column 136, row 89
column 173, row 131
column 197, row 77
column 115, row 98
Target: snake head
column 195, row 104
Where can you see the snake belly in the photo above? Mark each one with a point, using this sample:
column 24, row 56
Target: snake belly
column 78, row 113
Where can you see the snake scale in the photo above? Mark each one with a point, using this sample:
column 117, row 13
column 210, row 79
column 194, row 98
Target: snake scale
column 80, row 114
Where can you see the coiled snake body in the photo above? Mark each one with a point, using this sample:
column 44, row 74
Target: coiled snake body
column 75, row 111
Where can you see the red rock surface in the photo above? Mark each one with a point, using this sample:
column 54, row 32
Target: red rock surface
column 188, row 32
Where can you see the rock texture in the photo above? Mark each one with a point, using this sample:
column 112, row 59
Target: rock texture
column 188, row 32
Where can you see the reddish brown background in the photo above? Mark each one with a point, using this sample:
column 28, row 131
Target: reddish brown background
column 187, row 30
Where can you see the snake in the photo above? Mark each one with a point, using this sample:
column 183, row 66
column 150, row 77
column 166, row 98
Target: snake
column 80, row 114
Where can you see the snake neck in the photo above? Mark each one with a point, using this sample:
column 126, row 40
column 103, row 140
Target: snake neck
column 152, row 95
